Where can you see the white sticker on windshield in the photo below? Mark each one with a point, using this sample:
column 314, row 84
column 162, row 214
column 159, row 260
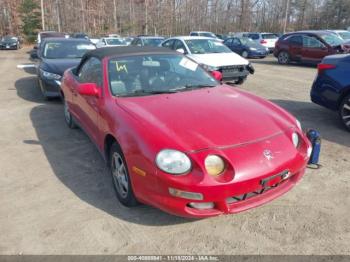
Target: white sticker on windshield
column 151, row 63
column 186, row 63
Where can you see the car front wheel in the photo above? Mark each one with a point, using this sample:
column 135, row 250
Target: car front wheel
column 245, row 54
column 121, row 178
column 344, row 111
column 283, row 58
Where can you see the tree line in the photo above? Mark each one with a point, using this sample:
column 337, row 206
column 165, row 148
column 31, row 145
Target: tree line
column 170, row 17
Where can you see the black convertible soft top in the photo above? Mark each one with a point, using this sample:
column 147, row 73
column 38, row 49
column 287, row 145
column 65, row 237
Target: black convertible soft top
column 101, row 53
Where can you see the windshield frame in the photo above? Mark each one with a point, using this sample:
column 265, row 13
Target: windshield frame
column 215, row 82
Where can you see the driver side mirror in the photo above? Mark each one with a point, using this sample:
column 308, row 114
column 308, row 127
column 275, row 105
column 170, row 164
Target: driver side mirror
column 88, row 89
column 181, row 50
column 217, row 75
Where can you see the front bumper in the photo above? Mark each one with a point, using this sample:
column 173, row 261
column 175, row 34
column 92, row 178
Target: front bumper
column 234, row 73
column 8, row 47
column 240, row 187
column 49, row 87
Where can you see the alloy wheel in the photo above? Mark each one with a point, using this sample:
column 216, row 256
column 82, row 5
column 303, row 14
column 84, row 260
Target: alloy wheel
column 283, row 58
column 345, row 112
column 67, row 114
column 120, row 176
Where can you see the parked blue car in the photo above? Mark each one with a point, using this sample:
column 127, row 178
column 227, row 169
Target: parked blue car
column 246, row 47
column 331, row 87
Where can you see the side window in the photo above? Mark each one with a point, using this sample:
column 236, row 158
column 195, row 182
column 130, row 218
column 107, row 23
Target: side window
column 236, row 41
column 253, row 36
column 194, row 34
column 179, row 45
column 139, row 42
column 296, row 40
column 168, row 44
column 311, row 42
column 228, row 41
column 91, row 72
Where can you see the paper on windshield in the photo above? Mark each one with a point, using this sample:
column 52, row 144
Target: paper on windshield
column 187, row 63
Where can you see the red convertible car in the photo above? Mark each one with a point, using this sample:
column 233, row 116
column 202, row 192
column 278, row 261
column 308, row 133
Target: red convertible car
column 176, row 138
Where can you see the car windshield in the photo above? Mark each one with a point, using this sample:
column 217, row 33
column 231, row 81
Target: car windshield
column 345, row 35
column 269, row 36
column 332, row 39
column 152, row 41
column 207, row 34
column 9, row 39
column 156, row 74
column 55, row 50
column 248, row 42
column 205, row 46
column 114, row 41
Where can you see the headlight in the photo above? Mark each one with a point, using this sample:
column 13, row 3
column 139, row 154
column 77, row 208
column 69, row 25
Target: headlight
column 49, row 75
column 214, row 165
column 210, row 68
column 253, row 48
column 298, row 124
column 14, row 44
column 295, row 139
column 173, row 162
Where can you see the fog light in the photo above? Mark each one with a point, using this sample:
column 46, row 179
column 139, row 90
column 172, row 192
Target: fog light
column 184, row 194
column 206, row 205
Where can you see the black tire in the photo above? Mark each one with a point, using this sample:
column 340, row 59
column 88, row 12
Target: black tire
column 245, row 54
column 120, row 176
column 283, row 58
column 68, row 118
column 344, row 112
column 240, row 81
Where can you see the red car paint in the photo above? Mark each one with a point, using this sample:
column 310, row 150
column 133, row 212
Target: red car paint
column 223, row 120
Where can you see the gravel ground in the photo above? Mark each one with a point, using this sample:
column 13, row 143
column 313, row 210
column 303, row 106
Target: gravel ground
column 56, row 196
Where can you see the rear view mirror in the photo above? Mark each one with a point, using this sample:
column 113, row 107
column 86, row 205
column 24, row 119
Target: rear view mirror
column 217, row 75
column 88, row 89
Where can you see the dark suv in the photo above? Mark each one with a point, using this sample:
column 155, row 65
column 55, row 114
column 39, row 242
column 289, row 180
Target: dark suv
column 307, row 47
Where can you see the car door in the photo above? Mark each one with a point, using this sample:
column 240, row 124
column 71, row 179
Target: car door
column 237, row 46
column 87, row 107
column 313, row 50
column 295, row 44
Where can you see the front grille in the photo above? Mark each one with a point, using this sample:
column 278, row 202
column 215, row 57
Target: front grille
column 232, row 67
column 260, row 191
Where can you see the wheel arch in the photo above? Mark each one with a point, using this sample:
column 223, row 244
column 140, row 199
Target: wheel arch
column 345, row 93
column 109, row 140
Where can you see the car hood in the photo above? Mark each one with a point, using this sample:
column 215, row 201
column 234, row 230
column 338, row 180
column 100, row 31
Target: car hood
column 207, row 118
column 58, row 66
column 219, row 59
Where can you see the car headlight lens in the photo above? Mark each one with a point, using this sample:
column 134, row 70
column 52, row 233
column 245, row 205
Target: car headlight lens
column 210, row 68
column 173, row 162
column 295, row 139
column 298, row 124
column 214, row 165
column 49, row 75
column 253, row 48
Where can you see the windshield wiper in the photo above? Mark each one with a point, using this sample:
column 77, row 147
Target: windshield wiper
column 190, row 87
column 153, row 92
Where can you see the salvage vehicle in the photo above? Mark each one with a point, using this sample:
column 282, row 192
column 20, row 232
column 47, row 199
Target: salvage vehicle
column 10, row 42
column 213, row 55
column 147, row 40
column 246, row 47
column 110, row 41
column 175, row 138
column 343, row 34
column 307, row 47
column 55, row 56
column 331, row 88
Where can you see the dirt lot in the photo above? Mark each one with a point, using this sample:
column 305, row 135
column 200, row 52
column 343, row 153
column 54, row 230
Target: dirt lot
column 56, row 196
